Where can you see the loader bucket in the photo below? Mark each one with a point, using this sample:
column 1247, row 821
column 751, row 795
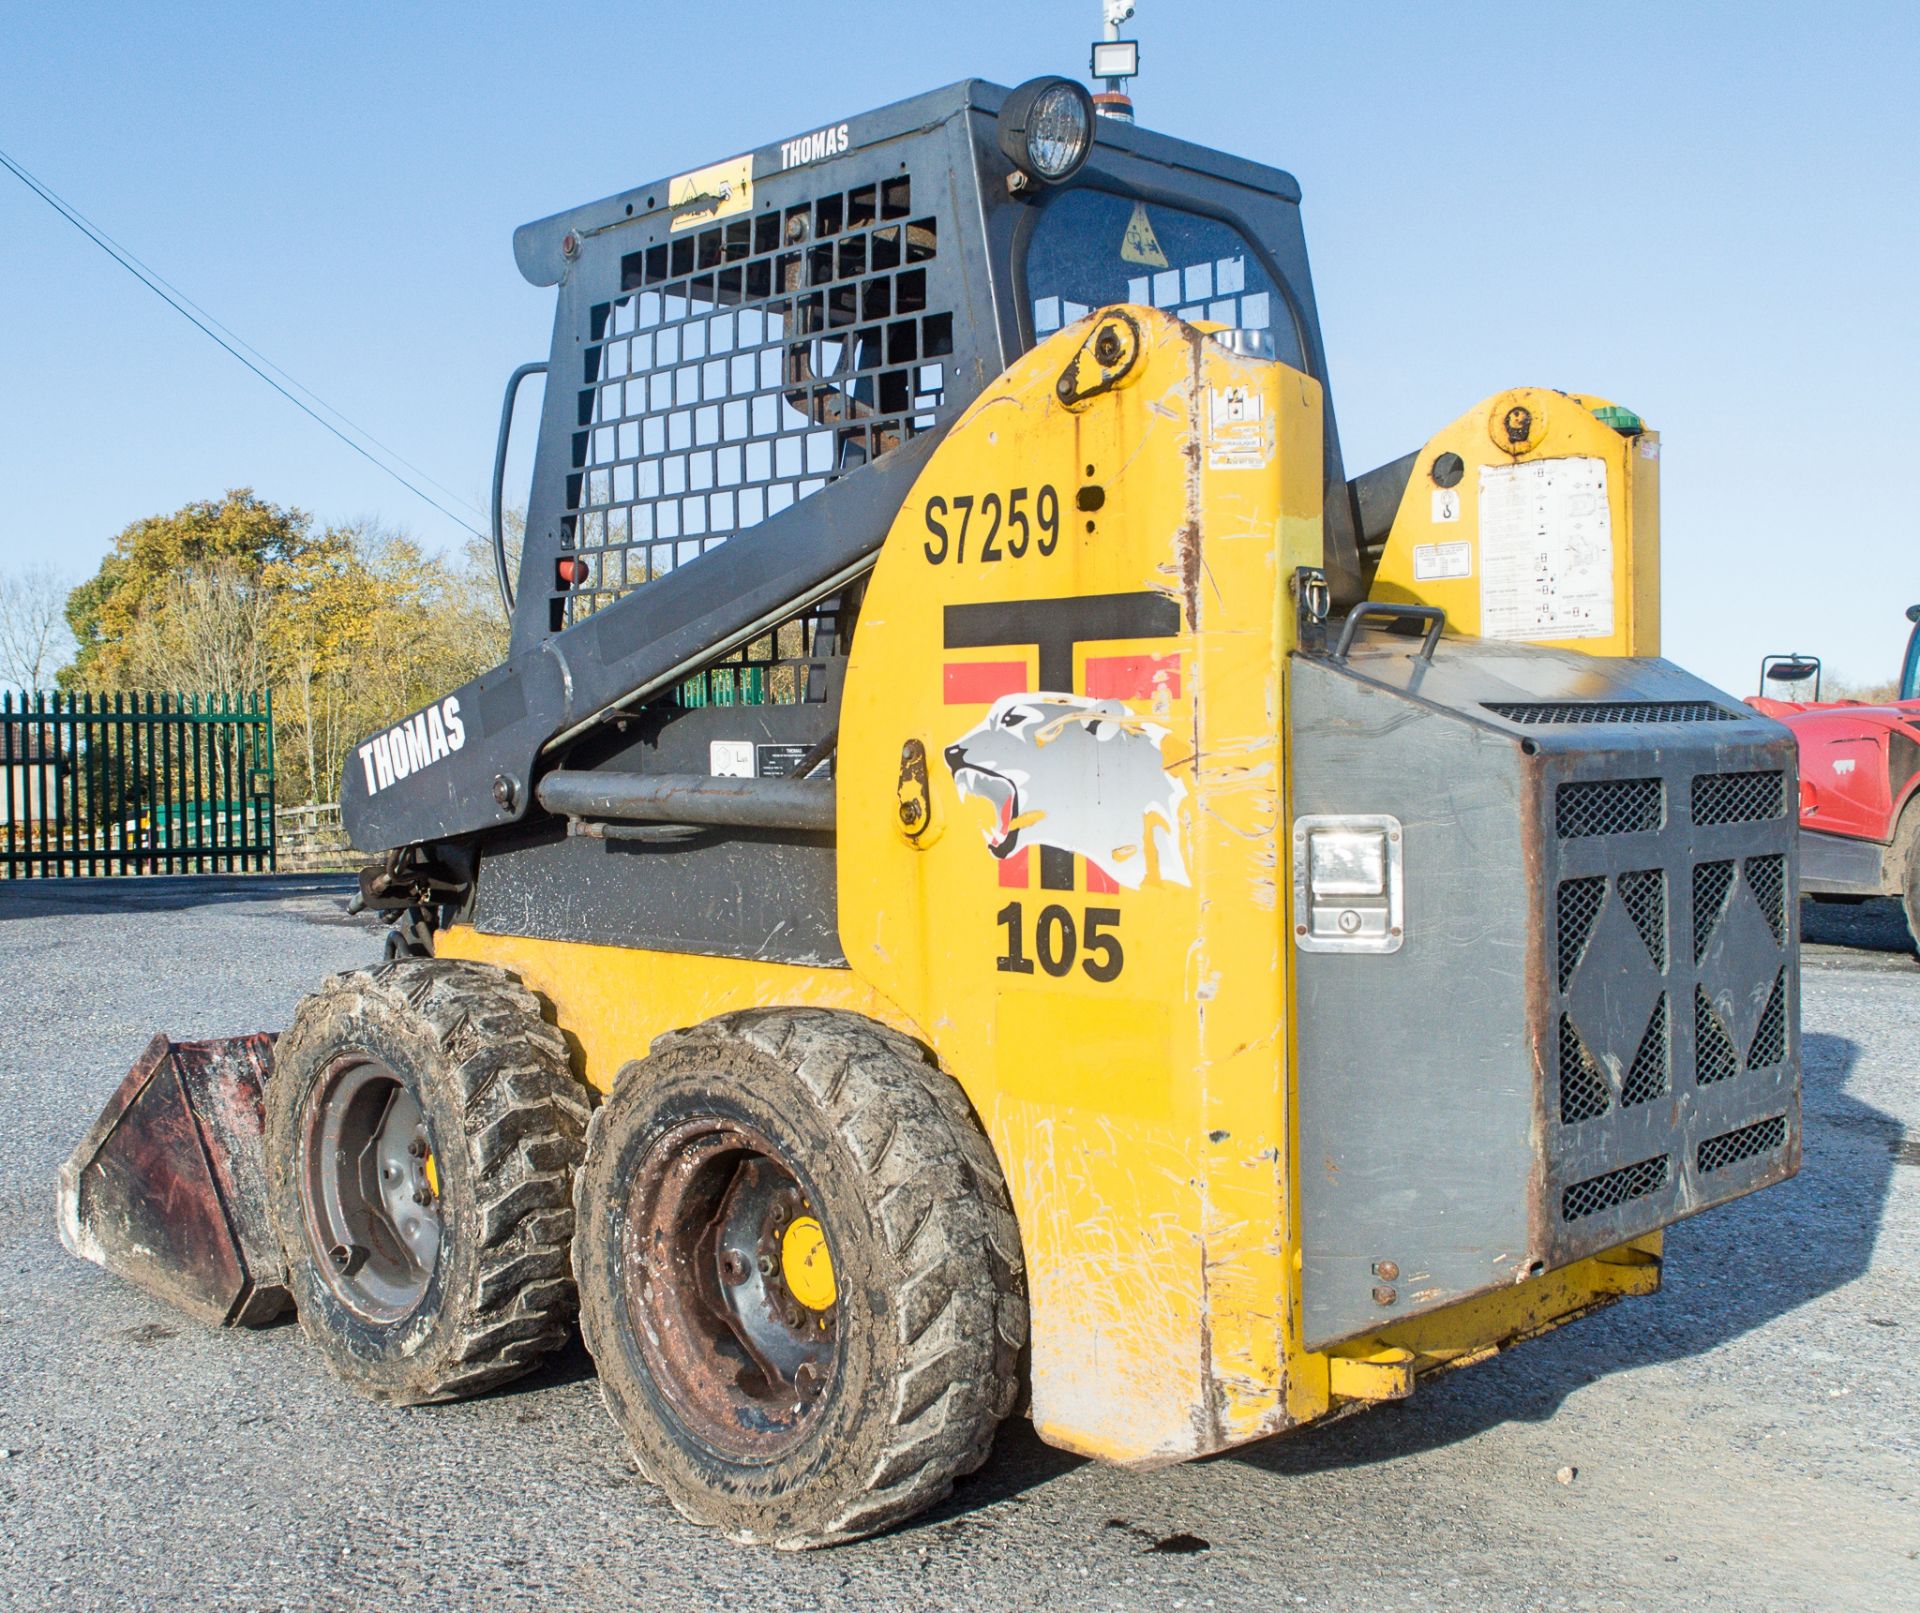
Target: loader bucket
column 168, row 1190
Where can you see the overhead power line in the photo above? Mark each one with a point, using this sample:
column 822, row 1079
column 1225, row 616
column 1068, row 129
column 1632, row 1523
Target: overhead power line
column 244, row 351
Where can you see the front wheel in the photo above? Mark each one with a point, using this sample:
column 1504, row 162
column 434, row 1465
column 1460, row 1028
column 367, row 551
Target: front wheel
column 799, row 1275
column 423, row 1128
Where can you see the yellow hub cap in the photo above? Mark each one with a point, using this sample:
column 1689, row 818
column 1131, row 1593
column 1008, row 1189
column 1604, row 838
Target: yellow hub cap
column 806, row 1265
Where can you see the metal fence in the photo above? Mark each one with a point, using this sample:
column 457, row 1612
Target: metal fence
column 116, row 784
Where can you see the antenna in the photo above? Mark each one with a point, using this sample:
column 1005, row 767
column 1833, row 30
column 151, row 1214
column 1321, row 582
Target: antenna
column 1115, row 60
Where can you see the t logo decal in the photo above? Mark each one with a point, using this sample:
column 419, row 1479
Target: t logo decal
column 1055, row 627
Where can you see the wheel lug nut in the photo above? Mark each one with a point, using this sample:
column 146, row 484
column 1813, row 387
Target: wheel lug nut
column 418, row 1148
column 422, row 1197
column 766, row 1265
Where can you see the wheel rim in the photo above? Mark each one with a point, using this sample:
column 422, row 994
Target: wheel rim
column 370, row 1190
column 730, row 1288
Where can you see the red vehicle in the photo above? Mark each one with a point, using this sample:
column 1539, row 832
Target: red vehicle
column 1859, row 783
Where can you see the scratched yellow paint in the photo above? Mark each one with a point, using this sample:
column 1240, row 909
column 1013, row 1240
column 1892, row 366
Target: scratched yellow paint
column 1139, row 1098
column 1141, row 1120
column 1564, row 426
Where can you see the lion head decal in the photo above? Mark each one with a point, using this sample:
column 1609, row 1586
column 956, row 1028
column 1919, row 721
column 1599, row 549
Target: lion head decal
column 1079, row 774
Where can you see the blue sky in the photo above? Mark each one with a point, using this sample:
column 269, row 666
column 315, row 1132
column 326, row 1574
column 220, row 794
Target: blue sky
column 1709, row 212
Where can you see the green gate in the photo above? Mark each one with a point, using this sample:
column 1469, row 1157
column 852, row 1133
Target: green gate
column 135, row 784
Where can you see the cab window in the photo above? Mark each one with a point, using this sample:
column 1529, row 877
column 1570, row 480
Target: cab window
column 1090, row 248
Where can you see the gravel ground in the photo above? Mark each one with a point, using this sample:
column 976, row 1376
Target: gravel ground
column 1748, row 1439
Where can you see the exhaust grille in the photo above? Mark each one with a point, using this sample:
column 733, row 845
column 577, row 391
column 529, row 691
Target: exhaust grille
column 1609, row 807
column 1570, row 713
column 1739, row 797
column 1672, row 954
column 1615, row 1188
column 1762, row 1137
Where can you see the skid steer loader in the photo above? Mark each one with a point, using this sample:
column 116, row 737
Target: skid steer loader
column 995, row 876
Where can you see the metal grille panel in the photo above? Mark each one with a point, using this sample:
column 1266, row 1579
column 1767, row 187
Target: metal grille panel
column 1767, row 879
column 1584, row 1092
column 1739, row 797
column 1610, row 807
column 1615, row 1188
column 1769, row 1045
column 1645, row 893
column 1762, row 1137
column 1712, row 884
column 1650, row 1075
column 1715, row 1056
column 745, row 367
column 1567, row 713
column 1580, row 901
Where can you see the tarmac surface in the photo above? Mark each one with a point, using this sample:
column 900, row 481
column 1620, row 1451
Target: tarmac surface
column 1749, row 1438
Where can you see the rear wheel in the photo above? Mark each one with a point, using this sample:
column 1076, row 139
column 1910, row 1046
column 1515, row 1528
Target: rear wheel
column 799, row 1275
column 423, row 1128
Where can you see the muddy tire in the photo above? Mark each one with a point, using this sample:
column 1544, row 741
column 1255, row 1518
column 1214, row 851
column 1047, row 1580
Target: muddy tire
column 803, row 1404
column 423, row 1131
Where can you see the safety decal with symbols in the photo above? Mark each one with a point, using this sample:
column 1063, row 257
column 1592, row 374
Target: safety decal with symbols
column 1140, row 245
column 1238, row 437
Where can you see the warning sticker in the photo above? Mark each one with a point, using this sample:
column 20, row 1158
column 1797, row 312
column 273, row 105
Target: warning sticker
column 1436, row 562
column 1140, row 244
column 1546, row 550
column 730, row 758
column 1446, row 504
column 710, row 193
column 1237, row 437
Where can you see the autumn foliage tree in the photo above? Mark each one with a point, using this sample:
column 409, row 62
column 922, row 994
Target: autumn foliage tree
column 349, row 626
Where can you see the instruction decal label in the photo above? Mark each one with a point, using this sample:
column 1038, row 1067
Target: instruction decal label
column 1237, row 434
column 1546, row 550
column 1440, row 562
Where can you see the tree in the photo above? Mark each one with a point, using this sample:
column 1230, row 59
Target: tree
column 349, row 628
column 205, row 629
column 365, row 627
column 34, row 641
column 235, row 537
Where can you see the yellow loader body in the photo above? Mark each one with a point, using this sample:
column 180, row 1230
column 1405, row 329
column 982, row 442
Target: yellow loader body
column 1125, row 1032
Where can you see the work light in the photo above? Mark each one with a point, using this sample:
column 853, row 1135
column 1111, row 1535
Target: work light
column 1046, row 128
